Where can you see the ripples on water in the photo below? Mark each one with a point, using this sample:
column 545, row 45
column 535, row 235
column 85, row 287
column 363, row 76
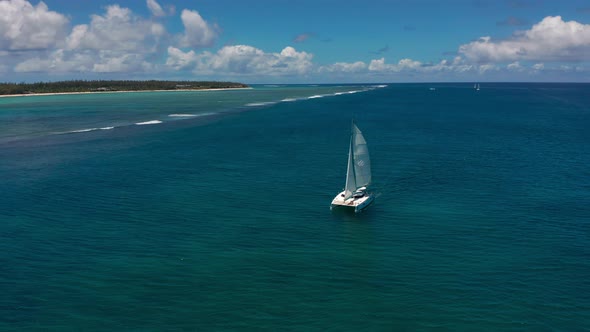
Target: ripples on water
column 209, row 222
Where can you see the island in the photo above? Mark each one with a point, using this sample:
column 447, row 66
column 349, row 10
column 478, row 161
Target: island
column 83, row 86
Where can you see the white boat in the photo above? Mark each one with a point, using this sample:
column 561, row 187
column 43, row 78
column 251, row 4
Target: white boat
column 358, row 176
column 477, row 88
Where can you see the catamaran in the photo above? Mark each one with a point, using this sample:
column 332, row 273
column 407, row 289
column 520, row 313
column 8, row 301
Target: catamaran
column 358, row 175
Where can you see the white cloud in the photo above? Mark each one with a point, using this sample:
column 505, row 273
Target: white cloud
column 27, row 27
column 63, row 61
column 343, row 67
column 458, row 65
column 117, row 30
column 157, row 30
column 379, row 65
column 117, row 41
column 155, row 8
column 487, row 67
column 552, row 39
column 115, row 63
column 515, row 66
column 248, row 60
column 408, row 64
column 403, row 66
column 198, row 33
column 178, row 59
column 58, row 61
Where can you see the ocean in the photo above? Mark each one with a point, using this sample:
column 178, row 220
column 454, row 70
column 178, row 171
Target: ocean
column 209, row 210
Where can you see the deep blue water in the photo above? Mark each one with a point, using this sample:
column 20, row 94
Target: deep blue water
column 218, row 217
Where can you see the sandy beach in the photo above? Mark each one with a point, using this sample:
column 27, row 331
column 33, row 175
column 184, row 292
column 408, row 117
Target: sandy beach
column 107, row 92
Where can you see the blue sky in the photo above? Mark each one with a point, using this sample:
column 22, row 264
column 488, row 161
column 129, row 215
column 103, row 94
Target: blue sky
column 304, row 41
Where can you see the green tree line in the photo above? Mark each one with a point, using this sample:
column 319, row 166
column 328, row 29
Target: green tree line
column 101, row 85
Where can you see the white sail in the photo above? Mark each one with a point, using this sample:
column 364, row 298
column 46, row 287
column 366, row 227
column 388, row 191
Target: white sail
column 350, row 178
column 362, row 162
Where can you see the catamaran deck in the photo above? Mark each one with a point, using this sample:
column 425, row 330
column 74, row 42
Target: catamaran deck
column 357, row 203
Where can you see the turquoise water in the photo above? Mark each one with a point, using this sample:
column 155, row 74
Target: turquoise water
column 217, row 217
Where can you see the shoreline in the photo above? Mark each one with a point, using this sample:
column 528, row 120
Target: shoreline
column 119, row 91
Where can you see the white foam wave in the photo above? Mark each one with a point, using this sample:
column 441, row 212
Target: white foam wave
column 265, row 103
column 189, row 115
column 82, row 130
column 85, row 130
column 182, row 115
column 151, row 122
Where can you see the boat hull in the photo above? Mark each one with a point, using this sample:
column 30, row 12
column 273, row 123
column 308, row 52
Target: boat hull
column 355, row 204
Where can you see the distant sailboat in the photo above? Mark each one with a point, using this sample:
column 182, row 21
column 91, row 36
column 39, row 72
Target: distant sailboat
column 358, row 175
column 476, row 86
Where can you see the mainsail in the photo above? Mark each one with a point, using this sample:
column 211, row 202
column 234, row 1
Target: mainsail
column 358, row 173
column 362, row 162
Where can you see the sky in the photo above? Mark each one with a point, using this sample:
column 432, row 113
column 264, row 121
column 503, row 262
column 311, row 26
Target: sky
column 303, row 41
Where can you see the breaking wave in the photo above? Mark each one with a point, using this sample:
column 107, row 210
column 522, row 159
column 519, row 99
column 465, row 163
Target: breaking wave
column 151, row 122
column 182, row 115
column 85, row 130
column 264, row 103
